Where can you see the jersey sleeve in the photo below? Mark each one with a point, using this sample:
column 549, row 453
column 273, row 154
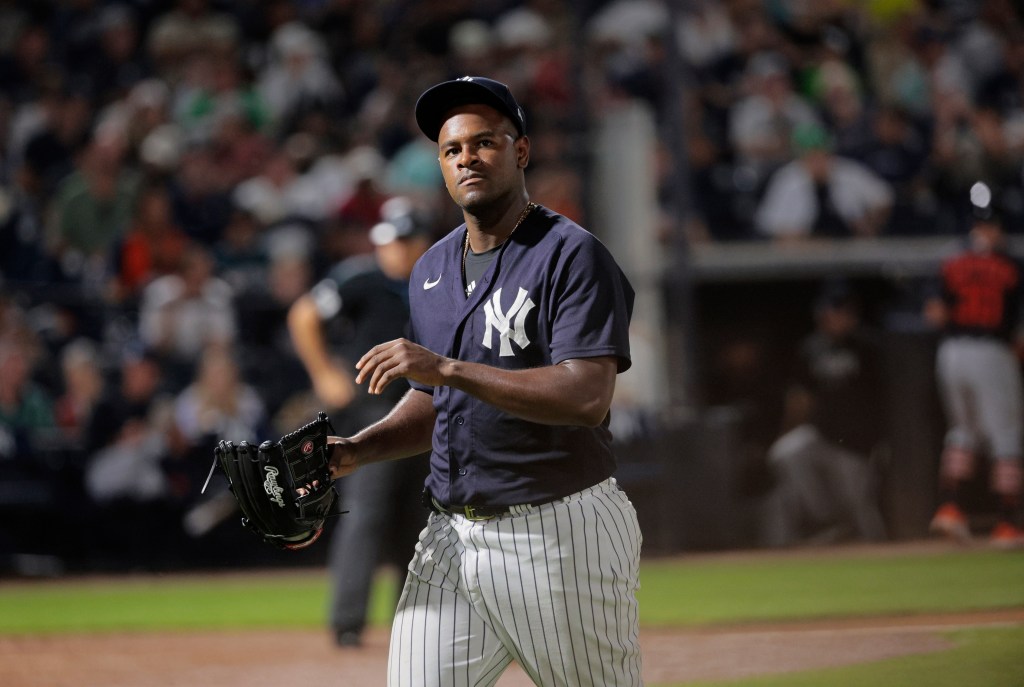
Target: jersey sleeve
column 593, row 306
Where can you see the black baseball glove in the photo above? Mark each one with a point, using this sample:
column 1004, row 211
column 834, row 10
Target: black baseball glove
column 265, row 482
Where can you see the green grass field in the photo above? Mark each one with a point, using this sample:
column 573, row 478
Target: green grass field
column 857, row 584
column 686, row 592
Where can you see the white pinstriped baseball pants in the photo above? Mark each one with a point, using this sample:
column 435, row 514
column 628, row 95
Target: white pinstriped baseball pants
column 552, row 587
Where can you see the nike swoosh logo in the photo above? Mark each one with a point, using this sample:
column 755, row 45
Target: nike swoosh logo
column 427, row 284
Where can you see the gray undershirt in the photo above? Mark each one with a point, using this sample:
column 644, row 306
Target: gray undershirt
column 476, row 265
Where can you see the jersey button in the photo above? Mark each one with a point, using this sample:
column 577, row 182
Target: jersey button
column 462, row 471
column 459, row 420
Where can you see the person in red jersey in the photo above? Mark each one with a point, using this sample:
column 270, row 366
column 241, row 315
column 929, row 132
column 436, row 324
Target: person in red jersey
column 979, row 375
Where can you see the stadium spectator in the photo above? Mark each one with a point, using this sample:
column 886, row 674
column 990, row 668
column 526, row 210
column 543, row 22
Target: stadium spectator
column 292, row 186
column 182, row 313
column 25, row 406
column 971, row 144
column 49, row 154
column 144, row 109
column 129, row 468
column 978, row 47
column 153, row 247
column 23, row 257
column 200, row 195
column 472, row 47
column 215, row 83
column 898, row 153
column 1001, row 90
column 821, row 194
column 347, row 233
column 132, row 511
column 92, row 209
column 83, row 387
column 265, row 349
column 233, row 119
column 241, row 253
column 762, row 122
column 298, row 74
column 111, row 61
column 137, row 391
column 837, row 92
column 412, row 171
column 27, row 70
column 217, row 403
column 192, row 27
column 270, row 195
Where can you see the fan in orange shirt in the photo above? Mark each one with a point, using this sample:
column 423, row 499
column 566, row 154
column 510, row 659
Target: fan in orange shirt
column 154, row 245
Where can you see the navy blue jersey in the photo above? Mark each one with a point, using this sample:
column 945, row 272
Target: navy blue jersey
column 552, row 293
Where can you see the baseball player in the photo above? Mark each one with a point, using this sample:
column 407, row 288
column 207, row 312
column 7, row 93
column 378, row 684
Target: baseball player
column 825, row 477
column 979, row 374
column 519, row 327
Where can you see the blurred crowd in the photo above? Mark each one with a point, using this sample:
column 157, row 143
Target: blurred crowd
column 845, row 119
column 175, row 173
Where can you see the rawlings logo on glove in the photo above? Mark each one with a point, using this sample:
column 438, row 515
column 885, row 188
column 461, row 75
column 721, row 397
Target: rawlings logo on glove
column 278, row 469
column 270, row 486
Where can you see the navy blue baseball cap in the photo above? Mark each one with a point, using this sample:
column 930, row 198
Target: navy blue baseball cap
column 439, row 100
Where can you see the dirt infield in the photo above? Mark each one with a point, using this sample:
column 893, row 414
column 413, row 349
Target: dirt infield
column 274, row 658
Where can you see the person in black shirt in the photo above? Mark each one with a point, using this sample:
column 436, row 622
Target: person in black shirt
column 364, row 302
column 825, row 474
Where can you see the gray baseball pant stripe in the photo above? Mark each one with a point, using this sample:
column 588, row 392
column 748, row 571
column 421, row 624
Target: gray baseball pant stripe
column 552, row 587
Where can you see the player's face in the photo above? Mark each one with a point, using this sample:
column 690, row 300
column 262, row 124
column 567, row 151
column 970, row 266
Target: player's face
column 986, row 236
column 482, row 156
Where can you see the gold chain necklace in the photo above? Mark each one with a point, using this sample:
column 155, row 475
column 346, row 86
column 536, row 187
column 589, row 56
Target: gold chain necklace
column 465, row 243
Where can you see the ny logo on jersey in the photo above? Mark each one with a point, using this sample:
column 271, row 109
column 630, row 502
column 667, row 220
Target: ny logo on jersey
column 510, row 325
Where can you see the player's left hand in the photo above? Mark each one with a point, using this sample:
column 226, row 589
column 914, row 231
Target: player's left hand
column 386, row 362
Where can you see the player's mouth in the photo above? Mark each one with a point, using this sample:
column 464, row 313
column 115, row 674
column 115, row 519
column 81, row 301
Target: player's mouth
column 470, row 179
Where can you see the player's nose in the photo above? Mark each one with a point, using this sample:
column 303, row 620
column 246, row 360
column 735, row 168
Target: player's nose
column 467, row 157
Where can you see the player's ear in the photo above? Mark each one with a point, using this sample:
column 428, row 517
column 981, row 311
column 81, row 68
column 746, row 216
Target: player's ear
column 522, row 147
